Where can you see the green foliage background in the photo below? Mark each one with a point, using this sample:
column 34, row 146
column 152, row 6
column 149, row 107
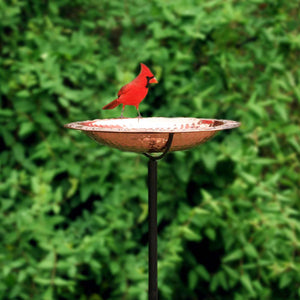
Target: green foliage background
column 73, row 213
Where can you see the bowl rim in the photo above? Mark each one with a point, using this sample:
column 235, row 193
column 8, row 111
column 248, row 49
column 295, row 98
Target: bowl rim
column 226, row 124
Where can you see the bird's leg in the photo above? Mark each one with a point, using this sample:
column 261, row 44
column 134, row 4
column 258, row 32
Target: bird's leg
column 122, row 112
column 140, row 116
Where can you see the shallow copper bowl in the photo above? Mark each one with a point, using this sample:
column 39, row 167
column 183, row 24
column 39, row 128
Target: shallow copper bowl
column 150, row 135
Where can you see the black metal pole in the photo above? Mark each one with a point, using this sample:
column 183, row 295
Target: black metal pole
column 152, row 221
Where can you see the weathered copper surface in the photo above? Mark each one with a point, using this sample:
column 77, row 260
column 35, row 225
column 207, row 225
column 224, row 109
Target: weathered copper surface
column 151, row 134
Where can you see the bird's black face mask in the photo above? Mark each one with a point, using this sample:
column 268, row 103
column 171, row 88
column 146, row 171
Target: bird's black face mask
column 148, row 81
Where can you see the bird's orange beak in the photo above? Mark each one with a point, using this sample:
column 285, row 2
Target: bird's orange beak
column 153, row 80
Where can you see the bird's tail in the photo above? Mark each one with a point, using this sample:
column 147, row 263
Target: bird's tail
column 112, row 104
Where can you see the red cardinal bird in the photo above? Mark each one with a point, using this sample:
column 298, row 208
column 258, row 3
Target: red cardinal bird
column 135, row 91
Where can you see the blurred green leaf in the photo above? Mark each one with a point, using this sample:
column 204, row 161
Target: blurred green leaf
column 235, row 255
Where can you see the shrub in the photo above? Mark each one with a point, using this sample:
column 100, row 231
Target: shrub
column 73, row 213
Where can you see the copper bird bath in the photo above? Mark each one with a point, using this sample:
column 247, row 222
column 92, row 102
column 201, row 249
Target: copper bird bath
column 148, row 136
